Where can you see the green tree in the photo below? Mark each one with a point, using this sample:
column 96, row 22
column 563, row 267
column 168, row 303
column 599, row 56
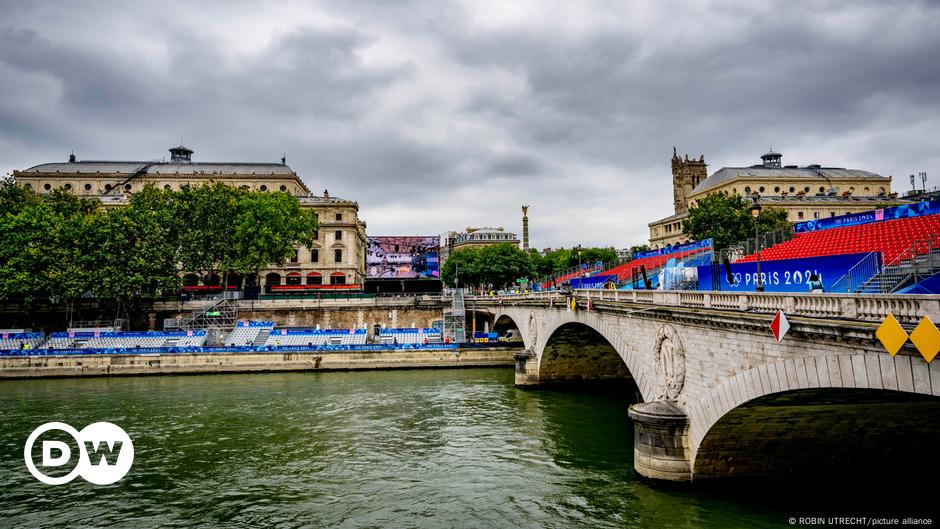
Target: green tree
column 266, row 228
column 499, row 265
column 58, row 246
column 639, row 248
column 727, row 220
column 460, row 268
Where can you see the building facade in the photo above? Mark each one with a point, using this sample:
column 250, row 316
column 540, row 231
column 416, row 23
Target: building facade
column 475, row 238
column 805, row 193
column 336, row 259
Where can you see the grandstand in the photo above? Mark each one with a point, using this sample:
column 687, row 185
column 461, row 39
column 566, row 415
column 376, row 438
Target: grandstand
column 316, row 337
column 123, row 340
column 409, row 336
column 692, row 254
column 892, row 238
column 249, row 333
column 15, row 339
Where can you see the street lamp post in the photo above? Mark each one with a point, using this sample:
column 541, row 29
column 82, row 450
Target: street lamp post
column 580, row 273
column 755, row 213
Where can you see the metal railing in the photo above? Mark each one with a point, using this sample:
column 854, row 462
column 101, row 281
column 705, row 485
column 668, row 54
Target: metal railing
column 860, row 274
column 908, row 309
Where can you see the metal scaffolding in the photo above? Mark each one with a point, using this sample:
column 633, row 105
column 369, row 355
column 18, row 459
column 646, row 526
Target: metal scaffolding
column 455, row 323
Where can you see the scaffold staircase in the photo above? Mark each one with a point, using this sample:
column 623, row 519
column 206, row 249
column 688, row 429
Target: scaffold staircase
column 222, row 313
column 455, row 323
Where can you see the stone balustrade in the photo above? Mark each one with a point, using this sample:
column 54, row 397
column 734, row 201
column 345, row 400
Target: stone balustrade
column 908, row 309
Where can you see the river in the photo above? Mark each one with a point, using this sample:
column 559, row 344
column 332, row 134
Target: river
column 420, row 448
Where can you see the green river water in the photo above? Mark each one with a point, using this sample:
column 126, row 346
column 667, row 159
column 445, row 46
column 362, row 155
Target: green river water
column 421, row 448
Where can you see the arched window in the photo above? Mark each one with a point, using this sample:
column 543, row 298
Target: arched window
column 107, row 187
column 127, row 187
column 293, row 278
column 212, row 279
column 190, row 280
column 47, row 187
column 272, row 278
column 167, row 187
column 68, row 187
column 747, row 190
column 337, row 278
column 314, row 278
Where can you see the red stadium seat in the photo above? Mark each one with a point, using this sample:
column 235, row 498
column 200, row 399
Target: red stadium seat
column 891, row 238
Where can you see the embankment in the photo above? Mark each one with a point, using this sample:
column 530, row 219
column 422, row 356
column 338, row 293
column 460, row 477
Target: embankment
column 205, row 363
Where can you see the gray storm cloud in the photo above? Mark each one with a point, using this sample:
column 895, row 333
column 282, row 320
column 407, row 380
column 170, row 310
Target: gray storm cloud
column 440, row 115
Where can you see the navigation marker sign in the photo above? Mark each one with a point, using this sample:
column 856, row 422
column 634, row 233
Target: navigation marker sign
column 780, row 326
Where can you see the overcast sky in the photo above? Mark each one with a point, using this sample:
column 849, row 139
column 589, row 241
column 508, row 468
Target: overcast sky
column 439, row 115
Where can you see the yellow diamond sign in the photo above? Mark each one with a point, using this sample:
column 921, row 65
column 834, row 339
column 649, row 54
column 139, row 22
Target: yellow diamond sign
column 926, row 338
column 892, row 335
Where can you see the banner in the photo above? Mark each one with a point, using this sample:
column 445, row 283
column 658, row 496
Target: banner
column 403, row 257
column 593, row 281
column 786, row 275
column 854, row 219
column 707, row 243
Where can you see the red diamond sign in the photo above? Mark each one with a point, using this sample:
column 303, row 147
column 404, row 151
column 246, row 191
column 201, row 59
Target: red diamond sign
column 780, row 326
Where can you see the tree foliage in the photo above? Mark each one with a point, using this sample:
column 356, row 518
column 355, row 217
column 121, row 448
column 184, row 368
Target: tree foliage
column 58, row 246
column 499, row 265
column 502, row 264
column 727, row 220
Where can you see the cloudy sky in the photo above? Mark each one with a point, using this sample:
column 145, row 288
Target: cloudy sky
column 438, row 115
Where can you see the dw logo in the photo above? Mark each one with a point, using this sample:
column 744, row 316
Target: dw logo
column 105, row 453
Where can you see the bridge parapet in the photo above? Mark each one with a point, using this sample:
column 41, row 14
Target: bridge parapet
column 862, row 307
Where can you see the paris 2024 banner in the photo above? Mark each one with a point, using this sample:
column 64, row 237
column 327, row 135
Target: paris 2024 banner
column 403, row 257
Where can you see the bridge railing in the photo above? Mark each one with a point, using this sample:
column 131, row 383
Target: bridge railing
column 864, row 307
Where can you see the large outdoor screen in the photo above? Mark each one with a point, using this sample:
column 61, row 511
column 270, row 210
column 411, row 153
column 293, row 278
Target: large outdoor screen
column 403, row 257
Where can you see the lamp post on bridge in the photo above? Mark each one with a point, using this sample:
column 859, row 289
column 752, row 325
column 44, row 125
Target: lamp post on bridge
column 580, row 272
column 755, row 213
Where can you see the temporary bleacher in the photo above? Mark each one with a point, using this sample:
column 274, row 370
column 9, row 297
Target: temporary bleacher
column 247, row 332
column 653, row 263
column 408, row 336
column 892, row 238
column 316, row 337
column 16, row 339
column 124, row 340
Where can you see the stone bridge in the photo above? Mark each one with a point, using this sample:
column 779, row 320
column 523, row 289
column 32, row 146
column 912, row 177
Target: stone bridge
column 719, row 397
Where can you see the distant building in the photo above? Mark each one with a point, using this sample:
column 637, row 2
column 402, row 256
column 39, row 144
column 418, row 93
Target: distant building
column 475, row 238
column 805, row 193
column 336, row 258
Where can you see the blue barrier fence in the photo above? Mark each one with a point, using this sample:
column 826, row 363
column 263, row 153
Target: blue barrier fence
column 854, row 219
column 315, row 332
column 707, row 243
column 785, row 275
column 125, row 334
column 231, row 349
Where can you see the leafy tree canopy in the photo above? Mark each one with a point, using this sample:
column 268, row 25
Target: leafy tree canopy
column 727, row 220
column 58, row 246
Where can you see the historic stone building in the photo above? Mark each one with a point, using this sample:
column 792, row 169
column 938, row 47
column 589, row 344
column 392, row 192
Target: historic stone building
column 336, row 259
column 475, row 238
column 805, row 193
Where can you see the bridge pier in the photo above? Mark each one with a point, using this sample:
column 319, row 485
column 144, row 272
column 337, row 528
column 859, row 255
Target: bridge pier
column 527, row 368
column 661, row 441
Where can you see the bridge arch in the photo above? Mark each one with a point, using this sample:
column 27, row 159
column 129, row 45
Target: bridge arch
column 576, row 352
column 839, row 413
